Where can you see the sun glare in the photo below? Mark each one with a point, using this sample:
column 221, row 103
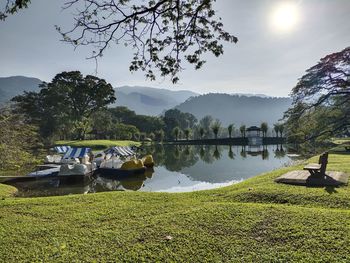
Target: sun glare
column 285, row 17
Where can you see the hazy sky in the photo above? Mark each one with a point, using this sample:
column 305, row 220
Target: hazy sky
column 266, row 59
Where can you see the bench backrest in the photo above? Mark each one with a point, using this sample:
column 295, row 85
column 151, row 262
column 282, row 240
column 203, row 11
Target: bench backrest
column 323, row 160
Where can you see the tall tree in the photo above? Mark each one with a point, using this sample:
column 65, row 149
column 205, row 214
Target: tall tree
column 206, row 123
column 230, row 128
column 323, row 91
column 176, row 132
column 18, row 140
column 216, row 128
column 276, row 128
column 264, row 128
column 187, row 133
column 281, row 129
column 159, row 135
column 201, row 132
column 242, row 129
column 68, row 97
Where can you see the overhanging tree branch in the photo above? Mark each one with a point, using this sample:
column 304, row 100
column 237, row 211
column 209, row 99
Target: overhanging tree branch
column 162, row 33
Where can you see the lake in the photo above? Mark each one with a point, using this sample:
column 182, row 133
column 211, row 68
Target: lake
column 179, row 168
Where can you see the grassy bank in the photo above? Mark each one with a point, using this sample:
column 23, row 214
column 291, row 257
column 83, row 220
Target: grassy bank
column 256, row 220
column 97, row 144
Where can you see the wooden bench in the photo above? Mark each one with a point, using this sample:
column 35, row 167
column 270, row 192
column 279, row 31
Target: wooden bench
column 318, row 169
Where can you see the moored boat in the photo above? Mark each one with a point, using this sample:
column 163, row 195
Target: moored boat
column 57, row 154
column 122, row 161
column 77, row 162
column 117, row 167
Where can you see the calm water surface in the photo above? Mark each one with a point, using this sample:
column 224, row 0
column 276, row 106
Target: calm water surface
column 179, row 168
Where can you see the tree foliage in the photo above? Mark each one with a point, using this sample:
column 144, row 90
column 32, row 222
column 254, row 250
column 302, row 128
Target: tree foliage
column 144, row 123
column 206, row 123
column 188, row 133
column 10, row 7
column 242, row 129
column 174, row 118
column 264, row 128
column 176, row 132
column 68, row 100
column 216, row 128
column 18, row 140
column 230, row 129
column 321, row 100
column 163, row 33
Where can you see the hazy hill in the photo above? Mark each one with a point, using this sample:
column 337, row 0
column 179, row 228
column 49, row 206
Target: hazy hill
column 248, row 110
column 150, row 101
column 13, row 86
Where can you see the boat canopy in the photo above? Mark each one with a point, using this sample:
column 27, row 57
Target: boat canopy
column 76, row 153
column 123, row 151
column 62, row 149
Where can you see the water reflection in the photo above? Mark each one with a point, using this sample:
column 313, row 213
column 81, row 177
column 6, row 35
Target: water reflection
column 179, row 168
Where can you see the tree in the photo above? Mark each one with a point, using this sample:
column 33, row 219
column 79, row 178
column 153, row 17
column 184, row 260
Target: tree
column 281, row 129
column 144, row 123
column 206, row 123
column 322, row 94
column 122, row 131
column 152, row 136
column 101, row 124
column 69, row 97
column 264, row 128
column 201, row 132
column 18, row 140
column 163, row 33
column 13, row 6
column 176, row 133
column 276, row 128
column 216, row 128
column 159, row 135
column 230, row 128
column 175, row 118
column 187, row 133
column 242, row 129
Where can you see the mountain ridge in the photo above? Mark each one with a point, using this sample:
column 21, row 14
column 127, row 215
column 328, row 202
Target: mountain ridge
column 248, row 110
column 15, row 85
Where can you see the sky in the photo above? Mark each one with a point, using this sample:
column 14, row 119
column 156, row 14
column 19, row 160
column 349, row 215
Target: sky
column 272, row 53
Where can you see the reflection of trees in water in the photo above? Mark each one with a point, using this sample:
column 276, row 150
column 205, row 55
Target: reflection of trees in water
column 217, row 153
column 206, row 155
column 201, row 152
column 244, row 151
column 255, row 151
column 279, row 152
column 231, row 154
column 177, row 157
column 174, row 157
column 265, row 153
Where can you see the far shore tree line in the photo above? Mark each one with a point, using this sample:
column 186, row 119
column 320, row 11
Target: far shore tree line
column 75, row 107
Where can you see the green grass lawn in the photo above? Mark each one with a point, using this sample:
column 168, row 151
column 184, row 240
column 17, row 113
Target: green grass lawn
column 97, row 144
column 253, row 221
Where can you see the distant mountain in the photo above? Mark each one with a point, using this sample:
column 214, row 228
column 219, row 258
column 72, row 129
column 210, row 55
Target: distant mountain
column 13, row 86
column 248, row 110
column 251, row 95
column 150, row 101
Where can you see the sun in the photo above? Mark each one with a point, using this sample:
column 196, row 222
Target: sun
column 285, row 17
